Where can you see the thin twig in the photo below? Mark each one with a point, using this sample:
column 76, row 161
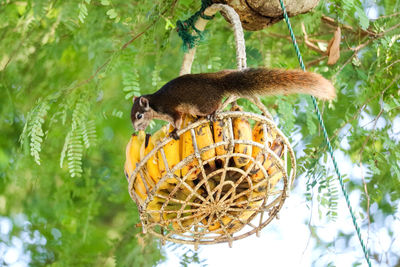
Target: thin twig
column 334, row 23
column 368, row 199
column 283, row 36
column 389, row 16
column 344, row 65
column 309, row 43
column 391, row 64
column 361, row 46
column 92, row 76
column 361, row 155
column 309, row 224
column 150, row 25
column 299, row 39
column 355, row 50
column 138, row 35
column 315, row 61
column 389, row 30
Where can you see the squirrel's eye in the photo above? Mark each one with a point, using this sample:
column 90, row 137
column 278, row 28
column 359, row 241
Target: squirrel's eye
column 139, row 116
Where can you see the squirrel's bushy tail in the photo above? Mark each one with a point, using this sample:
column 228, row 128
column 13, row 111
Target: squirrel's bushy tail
column 279, row 82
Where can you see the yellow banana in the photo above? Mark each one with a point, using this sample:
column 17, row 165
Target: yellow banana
column 212, row 226
column 226, row 220
column 257, row 136
column 155, row 205
column 187, row 150
column 272, row 170
column 244, row 217
column 181, row 193
column 150, row 182
column 274, row 178
column 247, row 214
column 221, row 134
column 204, row 138
column 173, row 209
column 171, row 150
column 152, row 162
column 186, row 223
column 259, row 194
column 215, row 224
column 241, row 201
column 277, row 147
column 128, row 167
column 241, row 131
column 132, row 158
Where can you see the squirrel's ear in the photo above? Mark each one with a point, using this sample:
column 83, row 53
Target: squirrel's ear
column 144, row 102
column 134, row 98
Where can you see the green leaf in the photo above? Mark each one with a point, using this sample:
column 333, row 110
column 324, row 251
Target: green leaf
column 112, row 13
column 362, row 17
column 285, row 109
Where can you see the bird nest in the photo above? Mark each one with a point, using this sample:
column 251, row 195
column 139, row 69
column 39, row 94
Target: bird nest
column 217, row 199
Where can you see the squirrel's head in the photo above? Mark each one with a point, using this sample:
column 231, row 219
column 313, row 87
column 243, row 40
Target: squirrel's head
column 141, row 113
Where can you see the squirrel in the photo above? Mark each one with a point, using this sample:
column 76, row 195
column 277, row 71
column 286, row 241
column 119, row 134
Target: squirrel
column 201, row 94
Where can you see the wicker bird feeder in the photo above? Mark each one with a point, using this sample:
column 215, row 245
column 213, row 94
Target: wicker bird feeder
column 224, row 203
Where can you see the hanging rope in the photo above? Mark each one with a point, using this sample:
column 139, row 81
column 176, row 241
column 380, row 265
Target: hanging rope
column 186, row 27
column 321, row 122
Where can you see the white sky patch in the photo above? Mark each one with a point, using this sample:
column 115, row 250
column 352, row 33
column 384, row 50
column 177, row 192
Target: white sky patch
column 372, row 11
column 5, row 226
column 358, row 172
column 11, row 256
column 343, row 161
column 394, row 132
column 384, row 240
column 344, row 143
column 296, row 140
column 367, row 121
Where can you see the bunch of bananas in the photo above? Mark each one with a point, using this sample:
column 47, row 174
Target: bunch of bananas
column 222, row 201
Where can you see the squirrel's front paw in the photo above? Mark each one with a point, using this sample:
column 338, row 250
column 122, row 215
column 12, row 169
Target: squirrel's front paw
column 212, row 117
column 174, row 134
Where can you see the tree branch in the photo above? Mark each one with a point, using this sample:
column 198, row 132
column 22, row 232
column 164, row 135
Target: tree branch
column 391, row 64
column 388, row 30
column 308, row 43
column 315, row 61
column 332, row 22
column 122, row 48
column 389, row 16
column 149, row 26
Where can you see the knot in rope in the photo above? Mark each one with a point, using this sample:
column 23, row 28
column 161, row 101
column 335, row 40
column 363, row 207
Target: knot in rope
column 185, row 28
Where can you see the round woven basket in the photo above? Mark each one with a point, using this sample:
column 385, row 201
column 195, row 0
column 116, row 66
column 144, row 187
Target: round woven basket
column 224, row 203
